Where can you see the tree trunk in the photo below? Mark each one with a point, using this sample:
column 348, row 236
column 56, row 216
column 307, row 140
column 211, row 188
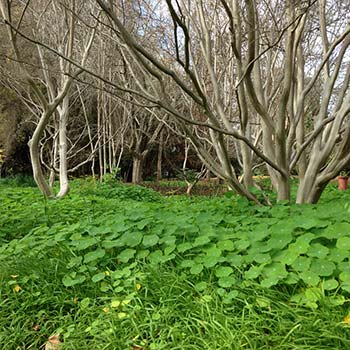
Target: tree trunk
column 137, row 168
column 160, row 157
column 63, row 113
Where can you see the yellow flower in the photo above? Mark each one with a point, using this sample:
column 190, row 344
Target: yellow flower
column 105, row 310
column 16, row 288
column 347, row 319
column 138, row 286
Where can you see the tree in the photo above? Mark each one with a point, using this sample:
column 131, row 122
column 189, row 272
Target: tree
column 262, row 77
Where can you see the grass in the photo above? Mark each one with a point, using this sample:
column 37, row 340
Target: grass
column 153, row 305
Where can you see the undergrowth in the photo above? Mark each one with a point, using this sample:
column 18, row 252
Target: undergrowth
column 120, row 267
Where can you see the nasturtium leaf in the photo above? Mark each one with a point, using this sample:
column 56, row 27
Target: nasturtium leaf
column 322, row 267
column 292, row 278
column 345, row 277
column 226, row 282
column 221, row 292
column 187, row 263
column 156, row 257
column 345, row 286
column 253, row 272
column 183, row 247
column 308, row 223
column 338, row 255
column 98, row 277
column 72, row 279
column 242, row 244
column 269, row 282
column 210, row 261
column 336, row 230
column 133, row 239
column 196, row 269
column 213, row 251
column 317, row 250
column 344, row 266
column 343, row 243
column 234, row 259
column 258, row 233
column 141, row 254
column 201, row 240
column 263, row 302
column 85, row 243
column 275, row 271
column 168, row 240
column 223, row 271
column 336, row 300
column 330, row 284
column 299, row 247
column 95, row 255
column 84, row 303
column 108, row 244
column 168, row 250
column 226, row 245
column 310, row 278
column 301, row 263
column 74, row 261
column 279, row 240
column 289, row 257
column 126, row 255
column 262, row 258
column 150, row 240
column 201, row 286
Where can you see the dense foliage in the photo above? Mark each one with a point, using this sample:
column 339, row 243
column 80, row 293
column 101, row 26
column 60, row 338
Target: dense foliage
column 126, row 267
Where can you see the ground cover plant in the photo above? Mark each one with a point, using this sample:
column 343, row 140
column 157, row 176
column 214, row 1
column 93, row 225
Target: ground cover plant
column 114, row 266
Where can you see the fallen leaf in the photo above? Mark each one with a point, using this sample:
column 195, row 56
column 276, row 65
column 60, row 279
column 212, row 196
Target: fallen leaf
column 36, row 327
column 53, row 343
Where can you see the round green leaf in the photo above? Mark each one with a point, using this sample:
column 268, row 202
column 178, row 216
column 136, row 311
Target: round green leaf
column 310, row 278
column 226, row 245
column 95, row 255
column 196, row 269
column 262, row 258
column 98, row 277
column 210, row 261
column 150, row 240
column 322, row 267
column 201, row 240
column 133, row 239
column 156, row 257
column 343, row 243
column 126, row 255
column 184, row 247
column 330, row 284
column 223, row 271
column 338, row 255
column 226, row 282
column 317, row 250
column 201, row 286
column 301, row 263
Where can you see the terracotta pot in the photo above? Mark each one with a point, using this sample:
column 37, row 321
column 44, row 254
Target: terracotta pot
column 342, row 183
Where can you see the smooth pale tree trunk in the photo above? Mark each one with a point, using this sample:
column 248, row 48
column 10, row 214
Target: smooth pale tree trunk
column 137, row 169
column 63, row 175
column 160, row 156
column 34, row 151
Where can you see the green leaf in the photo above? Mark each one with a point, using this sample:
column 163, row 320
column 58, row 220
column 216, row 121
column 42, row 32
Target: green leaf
column 150, row 240
column 275, row 271
column 84, row 303
column 279, row 240
column 141, row 254
column 310, row 278
column 196, row 269
column 262, row 258
column 126, row 255
column 301, row 263
column 223, row 271
column 74, row 261
column 201, row 286
column 338, row 255
column 72, row 279
column 242, row 244
column 183, row 247
column 108, row 244
column 226, row 245
column 343, row 243
column 85, row 243
column 330, row 284
column 317, row 250
column 234, row 259
column 213, row 251
column 253, row 272
column 269, row 282
column 98, row 277
column 201, row 240
column 187, row 263
column 322, row 267
column 156, row 257
column 337, row 230
column 210, row 261
column 92, row 256
column 133, row 239
column 226, row 282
